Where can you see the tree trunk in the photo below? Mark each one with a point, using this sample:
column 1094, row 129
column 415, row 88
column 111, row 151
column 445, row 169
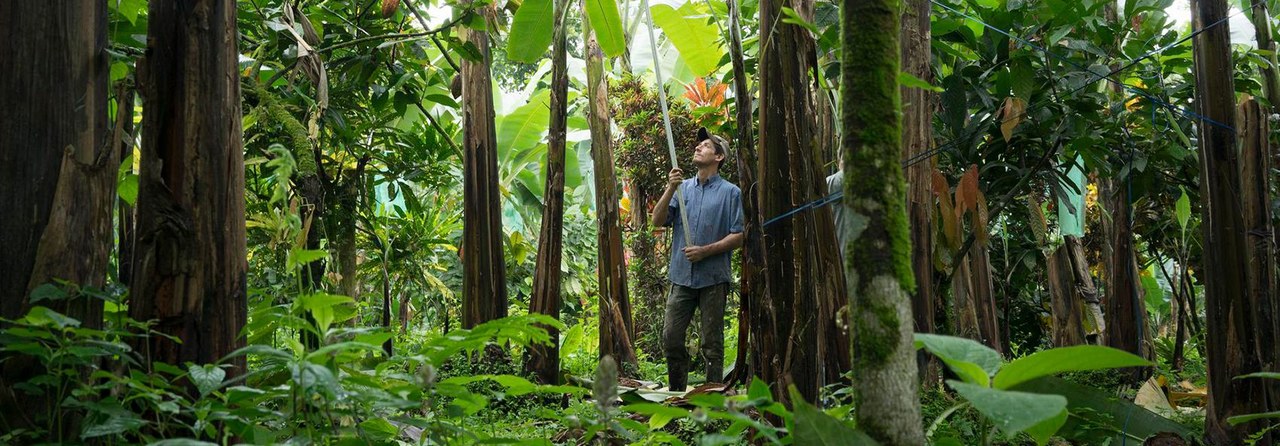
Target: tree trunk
column 1125, row 314
column 750, row 291
column 917, row 138
column 616, row 329
column 833, row 348
column 57, row 170
column 122, row 142
column 189, row 272
column 984, row 297
column 787, row 132
column 878, row 269
column 543, row 361
column 1232, row 347
column 1068, row 326
column 484, row 293
column 1255, row 190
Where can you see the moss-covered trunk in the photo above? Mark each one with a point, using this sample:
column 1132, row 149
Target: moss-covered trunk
column 878, row 269
column 543, row 361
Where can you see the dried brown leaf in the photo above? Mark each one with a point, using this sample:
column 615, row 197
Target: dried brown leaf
column 389, row 7
column 1011, row 114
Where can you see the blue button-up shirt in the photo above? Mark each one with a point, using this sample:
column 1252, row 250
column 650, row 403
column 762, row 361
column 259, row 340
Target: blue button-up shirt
column 715, row 211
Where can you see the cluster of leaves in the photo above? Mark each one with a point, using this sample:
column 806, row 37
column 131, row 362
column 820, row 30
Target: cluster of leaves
column 987, row 383
column 101, row 389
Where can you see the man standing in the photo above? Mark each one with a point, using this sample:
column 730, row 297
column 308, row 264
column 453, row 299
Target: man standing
column 699, row 273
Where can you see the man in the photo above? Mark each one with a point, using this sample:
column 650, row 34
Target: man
column 699, row 273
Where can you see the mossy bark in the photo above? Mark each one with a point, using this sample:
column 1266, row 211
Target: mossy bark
column 878, row 269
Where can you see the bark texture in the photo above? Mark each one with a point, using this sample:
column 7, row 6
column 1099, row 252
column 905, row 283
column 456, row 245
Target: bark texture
column 879, row 268
column 189, row 269
column 1231, row 346
column 57, row 173
column 1255, row 190
column 484, row 278
column 616, row 329
column 786, row 146
column 751, row 293
column 917, row 138
column 544, row 360
column 57, row 168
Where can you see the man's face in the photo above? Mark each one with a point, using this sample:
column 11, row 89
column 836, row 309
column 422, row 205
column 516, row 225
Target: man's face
column 704, row 154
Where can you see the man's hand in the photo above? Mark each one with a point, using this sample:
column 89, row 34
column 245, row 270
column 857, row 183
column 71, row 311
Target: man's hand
column 696, row 254
column 674, row 179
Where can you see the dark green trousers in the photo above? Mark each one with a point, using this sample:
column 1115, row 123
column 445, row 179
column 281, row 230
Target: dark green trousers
column 681, row 303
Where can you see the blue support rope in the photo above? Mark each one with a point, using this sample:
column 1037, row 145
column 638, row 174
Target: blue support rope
column 923, row 156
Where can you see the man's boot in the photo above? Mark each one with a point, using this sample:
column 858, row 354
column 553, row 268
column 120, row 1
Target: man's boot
column 715, row 371
column 677, row 377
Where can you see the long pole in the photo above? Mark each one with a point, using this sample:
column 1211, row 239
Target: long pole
column 666, row 121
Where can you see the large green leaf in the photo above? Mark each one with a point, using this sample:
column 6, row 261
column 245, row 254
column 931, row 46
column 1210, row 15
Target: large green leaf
column 972, row 361
column 525, row 127
column 1098, row 416
column 1065, row 359
column 815, row 427
column 531, row 31
column 207, row 378
column 604, row 19
column 697, row 40
column 1014, row 412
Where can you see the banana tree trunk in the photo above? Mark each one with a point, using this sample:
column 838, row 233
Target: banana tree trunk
column 544, row 360
column 484, row 292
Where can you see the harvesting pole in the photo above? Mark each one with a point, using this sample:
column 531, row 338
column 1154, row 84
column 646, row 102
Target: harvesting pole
column 666, row 119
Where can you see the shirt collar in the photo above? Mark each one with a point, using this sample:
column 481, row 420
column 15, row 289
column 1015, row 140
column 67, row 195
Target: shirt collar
column 710, row 180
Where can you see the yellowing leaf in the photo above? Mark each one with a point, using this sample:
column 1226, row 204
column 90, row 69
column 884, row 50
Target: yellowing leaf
column 1011, row 115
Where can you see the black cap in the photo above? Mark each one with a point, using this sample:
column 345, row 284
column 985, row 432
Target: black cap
column 719, row 142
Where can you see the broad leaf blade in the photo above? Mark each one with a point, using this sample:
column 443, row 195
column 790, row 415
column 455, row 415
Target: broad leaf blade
column 1065, row 359
column 697, row 40
column 972, row 361
column 1183, row 210
column 607, row 24
column 1015, row 412
column 531, row 31
column 815, row 427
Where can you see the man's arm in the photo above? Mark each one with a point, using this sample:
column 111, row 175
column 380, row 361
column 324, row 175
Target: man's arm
column 659, row 215
column 728, row 243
